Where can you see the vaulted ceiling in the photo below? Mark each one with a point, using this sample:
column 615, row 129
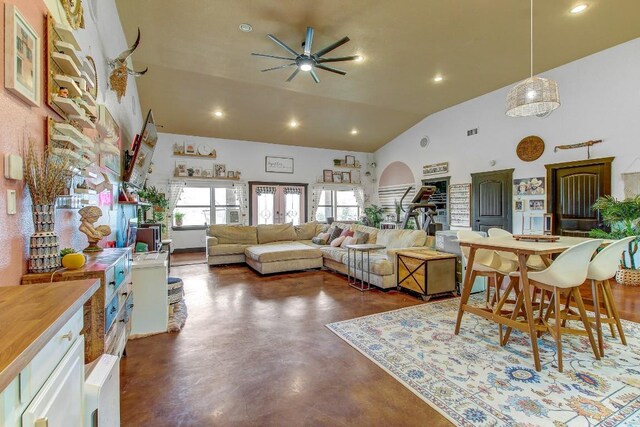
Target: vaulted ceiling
column 199, row 61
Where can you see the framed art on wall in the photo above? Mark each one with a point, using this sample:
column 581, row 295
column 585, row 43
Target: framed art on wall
column 21, row 57
column 327, row 175
column 110, row 142
column 278, row 164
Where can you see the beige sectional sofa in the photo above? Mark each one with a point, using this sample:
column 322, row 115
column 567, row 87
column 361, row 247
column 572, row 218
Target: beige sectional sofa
column 283, row 247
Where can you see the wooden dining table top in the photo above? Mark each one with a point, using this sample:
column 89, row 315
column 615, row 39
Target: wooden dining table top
column 509, row 244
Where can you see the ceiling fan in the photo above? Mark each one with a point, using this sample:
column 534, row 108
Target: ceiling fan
column 307, row 61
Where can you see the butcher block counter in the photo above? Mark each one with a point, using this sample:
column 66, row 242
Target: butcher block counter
column 30, row 316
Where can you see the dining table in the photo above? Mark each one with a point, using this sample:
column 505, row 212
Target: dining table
column 523, row 249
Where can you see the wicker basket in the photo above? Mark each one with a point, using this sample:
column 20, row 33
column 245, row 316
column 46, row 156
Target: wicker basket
column 174, row 290
column 628, row 277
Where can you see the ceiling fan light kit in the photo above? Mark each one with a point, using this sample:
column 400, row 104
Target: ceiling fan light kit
column 535, row 96
column 307, row 61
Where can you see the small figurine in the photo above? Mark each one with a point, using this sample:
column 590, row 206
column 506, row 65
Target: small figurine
column 88, row 216
column 63, row 92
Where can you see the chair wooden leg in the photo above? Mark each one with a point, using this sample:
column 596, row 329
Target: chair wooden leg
column 596, row 310
column 469, row 278
column 558, row 325
column 567, row 308
column 607, row 305
column 585, row 321
column 606, row 286
column 487, row 292
column 541, row 309
column 516, row 312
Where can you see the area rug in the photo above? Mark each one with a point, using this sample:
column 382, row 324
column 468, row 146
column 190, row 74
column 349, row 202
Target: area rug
column 472, row 381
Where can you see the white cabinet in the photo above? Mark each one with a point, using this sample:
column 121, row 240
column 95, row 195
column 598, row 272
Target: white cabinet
column 151, row 309
column 60, row 400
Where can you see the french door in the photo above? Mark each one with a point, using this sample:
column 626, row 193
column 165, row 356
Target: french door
column 278, row 203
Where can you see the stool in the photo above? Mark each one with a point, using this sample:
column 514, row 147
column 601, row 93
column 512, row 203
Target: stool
column 175, row 290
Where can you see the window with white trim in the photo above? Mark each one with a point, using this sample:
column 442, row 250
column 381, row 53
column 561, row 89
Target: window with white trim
column 197, row 203
column 339, row 204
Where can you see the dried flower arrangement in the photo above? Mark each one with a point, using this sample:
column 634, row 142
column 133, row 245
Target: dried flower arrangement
column 46, row 174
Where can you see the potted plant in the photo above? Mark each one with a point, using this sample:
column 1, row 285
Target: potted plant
column 190, row 171
column 398, row 209
column 374, row 215
column 622, row 219
column 158, row 201
column 178, row 217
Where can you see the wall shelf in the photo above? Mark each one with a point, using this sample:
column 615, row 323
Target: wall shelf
column 66, row 64
column 69, row 83
column 347, row 166
column 67, row 49
column 66, row 35
column 213, row 155
column 82, row 120
column 217, row 178
column 67, row 105
column 64, row 139
column 70, row 131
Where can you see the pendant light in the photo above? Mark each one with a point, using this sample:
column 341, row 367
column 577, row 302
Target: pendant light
column 535, row 96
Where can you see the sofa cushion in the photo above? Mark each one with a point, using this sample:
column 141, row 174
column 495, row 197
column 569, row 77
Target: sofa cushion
column 401, row 238
column 227, row 249
column 336, row 254
column 350, row 240
column 337, row 241
column 234, row 234
column 306, row 231
column 282, row 252
column 268, row 233
column 361, row 237
column 320, row 239
column 379, row 263
column 373, row 232
column 335, row 233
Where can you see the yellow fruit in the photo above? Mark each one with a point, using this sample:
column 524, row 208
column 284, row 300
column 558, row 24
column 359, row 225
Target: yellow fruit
column 73, row 261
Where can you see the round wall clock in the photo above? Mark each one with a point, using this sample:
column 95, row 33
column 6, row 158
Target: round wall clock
column 530, row 148
column 75, row 15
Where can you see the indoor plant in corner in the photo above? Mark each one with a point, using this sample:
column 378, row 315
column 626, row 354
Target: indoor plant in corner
column 374, row 215
column 178, row 217
column 622, row 218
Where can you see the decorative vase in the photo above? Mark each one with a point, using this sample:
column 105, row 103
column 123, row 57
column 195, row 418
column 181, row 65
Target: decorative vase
column 628, row 277
column 44, row 249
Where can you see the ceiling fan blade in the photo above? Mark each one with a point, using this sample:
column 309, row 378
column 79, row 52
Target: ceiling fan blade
column 282, row 45
column 293, row 74
column 314, row 75
column 272, row 56
column 333, row 70
column 331, row 47
column 307, row 41
column 342, row 58
column 277, row 68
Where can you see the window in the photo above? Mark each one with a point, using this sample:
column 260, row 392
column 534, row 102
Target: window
column 340, row 204
column 197, row 203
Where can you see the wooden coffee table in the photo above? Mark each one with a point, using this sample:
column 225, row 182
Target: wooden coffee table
column 426, row 272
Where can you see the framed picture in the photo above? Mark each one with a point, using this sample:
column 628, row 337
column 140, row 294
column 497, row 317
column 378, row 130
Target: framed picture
column 181, row 169
column 231, row 174
column 529, row 186
column 110, row 137
column 21, row 57
column 207, row 173
column 518, row 205
column 536, row 204
column 350, row 160
column 278, row 164
column 233, row 217
column 189, row 148
column 220, row 171
column 327, row 175
column 346, row 176
column 197, row 171
column 337, row 177
column 435, row 168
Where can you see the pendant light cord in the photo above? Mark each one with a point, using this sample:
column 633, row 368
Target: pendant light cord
column 531, row 41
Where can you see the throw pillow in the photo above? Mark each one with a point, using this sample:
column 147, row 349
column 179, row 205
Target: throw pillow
column 348, row 241
column 361, row 237
column 305, row 231
column 347, row 233
column 335, row 233
column 317, row 240
column 337, row 241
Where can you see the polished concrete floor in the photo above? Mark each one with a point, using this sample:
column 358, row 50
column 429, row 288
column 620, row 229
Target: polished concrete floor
column 255, row 352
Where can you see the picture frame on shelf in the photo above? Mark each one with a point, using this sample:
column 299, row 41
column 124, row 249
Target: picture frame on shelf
column 327, row 175
column 22, row 57
column 197, row 171
column 207, row 173
column 346, row 177
column 178, row 149
column 181, row 169
column 350, row 160
column 220, row 171
column 518, row 205
column 231, row 174
column 275, row 164
column 189, row 148
column 536, row 204
column 337, row 177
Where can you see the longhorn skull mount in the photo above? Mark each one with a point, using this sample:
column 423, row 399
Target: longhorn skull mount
column 120, row 71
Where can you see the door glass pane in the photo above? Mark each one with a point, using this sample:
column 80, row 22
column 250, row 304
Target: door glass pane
column 292, row 208
column 265, row 208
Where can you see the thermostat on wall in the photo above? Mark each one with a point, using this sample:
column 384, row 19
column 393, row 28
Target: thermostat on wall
column 13, row 167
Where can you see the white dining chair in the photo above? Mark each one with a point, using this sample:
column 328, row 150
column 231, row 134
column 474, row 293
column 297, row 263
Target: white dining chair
column 601, row 269
column 535, row 262
column 565, row 276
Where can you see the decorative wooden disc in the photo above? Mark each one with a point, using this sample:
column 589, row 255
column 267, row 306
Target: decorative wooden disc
column 530, row 148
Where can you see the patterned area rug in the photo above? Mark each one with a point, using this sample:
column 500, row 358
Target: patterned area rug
column 472, row 381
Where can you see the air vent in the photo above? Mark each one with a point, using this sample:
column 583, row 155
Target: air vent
column 472, row 132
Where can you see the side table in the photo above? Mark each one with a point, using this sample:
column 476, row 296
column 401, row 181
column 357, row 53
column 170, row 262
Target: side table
column 362, row 249
column 426, row 272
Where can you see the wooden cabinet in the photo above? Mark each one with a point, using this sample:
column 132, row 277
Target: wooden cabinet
column 103, row 331
column 426, row 272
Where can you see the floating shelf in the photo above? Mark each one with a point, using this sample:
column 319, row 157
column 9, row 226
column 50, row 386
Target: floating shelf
column 199, row 156
column 67, row 105
column 66, row 64
column 89, row 79
column 89, row 174
column 134, row 203
column 347, row 166
column 84, row 191
column 66, row 140
column 66, row 152
column 69, row 83
column 86, row 96
column 82, row 119
column 218, row 178
column 71, row 131
column 67, row 49
column 66, row 35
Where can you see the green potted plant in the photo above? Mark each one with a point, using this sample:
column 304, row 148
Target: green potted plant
column 398, row 209
column 374, row 215
column 622, row 219
column 190, row 171
column 178, row 217
column 158, row 201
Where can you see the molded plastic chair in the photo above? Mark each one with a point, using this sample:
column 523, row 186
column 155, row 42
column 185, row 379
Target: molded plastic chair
column 535, row 261
column 601, row 269
column 567, row 273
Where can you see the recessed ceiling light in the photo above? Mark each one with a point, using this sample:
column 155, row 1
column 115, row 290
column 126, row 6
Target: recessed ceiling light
column 293, row 124
column 360, row 58
column 218, row 113
column 579, row 8
column 438, row 78
column 354, row 131
column 245, row 28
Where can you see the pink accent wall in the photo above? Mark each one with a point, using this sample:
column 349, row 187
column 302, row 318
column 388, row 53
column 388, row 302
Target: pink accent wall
column 396, row 173
column 18, row 122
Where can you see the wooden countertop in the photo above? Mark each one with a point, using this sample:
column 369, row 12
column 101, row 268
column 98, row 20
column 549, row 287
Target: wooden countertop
column 31, row 315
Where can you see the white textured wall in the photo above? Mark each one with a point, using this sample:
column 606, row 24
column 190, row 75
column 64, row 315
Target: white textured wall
column 600, row 97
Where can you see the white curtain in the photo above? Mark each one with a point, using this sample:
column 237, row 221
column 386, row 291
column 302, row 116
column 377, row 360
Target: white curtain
column 358, row 192
column 175, row 189
column 242, row 193
column 316, row 192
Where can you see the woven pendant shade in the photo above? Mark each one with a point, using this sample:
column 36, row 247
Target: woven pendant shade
column 534, row 96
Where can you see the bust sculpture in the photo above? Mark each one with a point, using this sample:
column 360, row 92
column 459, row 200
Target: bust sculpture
column 88, row 216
